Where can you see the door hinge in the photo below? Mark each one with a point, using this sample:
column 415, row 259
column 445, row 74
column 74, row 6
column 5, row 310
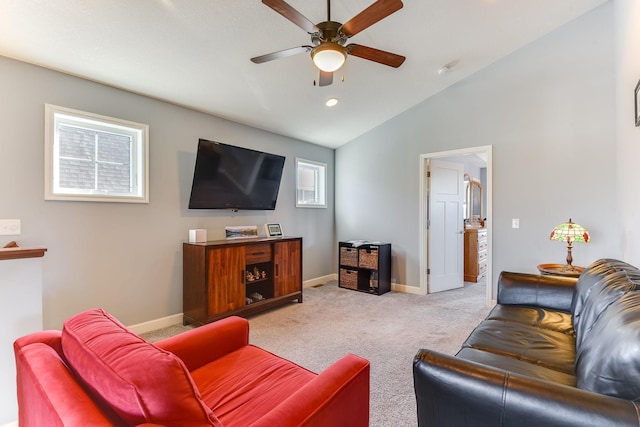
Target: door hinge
column 428, row 271
column 428, row 174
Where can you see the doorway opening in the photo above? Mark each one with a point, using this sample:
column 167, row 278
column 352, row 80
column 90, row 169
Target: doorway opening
column 474, row 157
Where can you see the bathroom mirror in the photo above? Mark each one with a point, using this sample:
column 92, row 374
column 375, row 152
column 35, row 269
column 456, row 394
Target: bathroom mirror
column 473, row 212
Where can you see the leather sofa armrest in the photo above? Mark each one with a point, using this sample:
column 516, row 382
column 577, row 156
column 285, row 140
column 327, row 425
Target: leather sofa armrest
column 452, row 391
column 337, row 397
column 201, row 345
column 554, row 292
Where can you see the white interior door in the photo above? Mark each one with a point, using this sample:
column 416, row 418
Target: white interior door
column 445, row 230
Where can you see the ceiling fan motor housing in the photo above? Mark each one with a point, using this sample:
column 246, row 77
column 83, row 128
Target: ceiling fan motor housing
column 330, row 31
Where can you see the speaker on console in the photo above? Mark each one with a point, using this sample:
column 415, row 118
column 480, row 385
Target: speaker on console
column 198, row 235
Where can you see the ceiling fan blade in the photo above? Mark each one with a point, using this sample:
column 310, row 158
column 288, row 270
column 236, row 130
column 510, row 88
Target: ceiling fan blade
column 326, row 78
column 292, row 15
column 374, row 13
column 280, row 54
column 376, row 55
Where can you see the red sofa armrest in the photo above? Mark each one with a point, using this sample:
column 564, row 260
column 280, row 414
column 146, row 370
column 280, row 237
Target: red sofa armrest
column 339, row 396
column 50, row 337
column 201, row 345
column 47, row 392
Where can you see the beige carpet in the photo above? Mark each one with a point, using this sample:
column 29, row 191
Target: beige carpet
column 388, row 330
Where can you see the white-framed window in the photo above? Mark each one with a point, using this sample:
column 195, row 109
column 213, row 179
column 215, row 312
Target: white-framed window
column 95, row 158
column 311, row 184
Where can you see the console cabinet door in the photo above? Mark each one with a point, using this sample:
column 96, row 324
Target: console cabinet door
column 288, row 267
column 225, row 279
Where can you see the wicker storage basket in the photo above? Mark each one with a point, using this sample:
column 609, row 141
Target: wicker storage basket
column 348, row 278
column 368, row 258
column 349, row 256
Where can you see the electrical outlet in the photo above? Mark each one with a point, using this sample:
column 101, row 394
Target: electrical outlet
column 9, row 227
column 515, row 223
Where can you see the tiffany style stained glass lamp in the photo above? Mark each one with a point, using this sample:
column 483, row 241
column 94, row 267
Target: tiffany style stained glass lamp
column 570, row 232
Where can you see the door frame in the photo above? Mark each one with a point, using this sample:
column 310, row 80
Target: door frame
column 485, row 150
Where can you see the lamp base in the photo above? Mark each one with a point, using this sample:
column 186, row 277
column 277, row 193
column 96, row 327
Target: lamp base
column 568, row 266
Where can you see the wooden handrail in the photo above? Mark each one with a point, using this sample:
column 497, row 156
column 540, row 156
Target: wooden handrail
column 17, row 253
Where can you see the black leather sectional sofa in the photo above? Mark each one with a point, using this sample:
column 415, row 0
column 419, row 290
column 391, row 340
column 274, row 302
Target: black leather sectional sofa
column 554, row 351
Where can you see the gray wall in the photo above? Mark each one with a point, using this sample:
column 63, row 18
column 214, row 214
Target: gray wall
column 127, row 258
column 627, row 61
column 548, row 110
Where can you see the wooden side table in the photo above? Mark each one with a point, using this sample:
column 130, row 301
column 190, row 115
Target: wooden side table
column 558, row 270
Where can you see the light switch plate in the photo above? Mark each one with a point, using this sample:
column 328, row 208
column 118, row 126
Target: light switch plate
column 9, row 227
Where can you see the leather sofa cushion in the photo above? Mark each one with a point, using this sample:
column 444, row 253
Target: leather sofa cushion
column 518, row 366
column 141, row 382
column 601, row 295
column 551, row 292
column 593, row 274
column 551, row 349
column 538, row 317
column 608, row 361
column 244, row 385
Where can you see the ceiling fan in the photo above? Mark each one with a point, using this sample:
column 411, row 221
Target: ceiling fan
column 328, row 38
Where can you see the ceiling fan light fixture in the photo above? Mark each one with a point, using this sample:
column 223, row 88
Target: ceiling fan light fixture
column 329, row 56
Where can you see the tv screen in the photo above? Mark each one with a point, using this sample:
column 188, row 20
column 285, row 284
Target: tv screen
column 230, row 177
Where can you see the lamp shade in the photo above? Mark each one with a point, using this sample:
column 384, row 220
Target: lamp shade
column 328, row 56
column 570, row 232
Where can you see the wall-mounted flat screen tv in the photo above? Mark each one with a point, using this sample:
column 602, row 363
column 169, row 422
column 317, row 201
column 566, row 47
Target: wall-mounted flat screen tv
column 230, row 177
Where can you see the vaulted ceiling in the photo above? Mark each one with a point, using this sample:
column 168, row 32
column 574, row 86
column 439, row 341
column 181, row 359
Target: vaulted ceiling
column 196, row 53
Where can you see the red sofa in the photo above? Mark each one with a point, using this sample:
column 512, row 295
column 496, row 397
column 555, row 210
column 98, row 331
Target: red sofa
column 95, row 372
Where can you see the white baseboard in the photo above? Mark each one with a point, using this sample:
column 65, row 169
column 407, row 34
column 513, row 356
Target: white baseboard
column 11, row 424
column 395, row 287
column 398, row 287
column 153, row 325
column 319, row 280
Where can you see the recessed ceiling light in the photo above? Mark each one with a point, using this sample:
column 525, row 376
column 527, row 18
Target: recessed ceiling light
column 331, row 102
column 448, row 67
column 444, row 70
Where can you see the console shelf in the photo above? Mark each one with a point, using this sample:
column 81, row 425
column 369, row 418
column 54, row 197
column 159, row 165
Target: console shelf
column 239, row 277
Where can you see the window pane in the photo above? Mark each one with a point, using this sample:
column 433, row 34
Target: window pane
column 76, row 173
column 112, row 177
column 76, row 142
column 114, row 162
column 114, row 148
column 306, row 179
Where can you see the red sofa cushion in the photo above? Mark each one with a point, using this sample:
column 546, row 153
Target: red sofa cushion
column 141, row 382
column 242, row 386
